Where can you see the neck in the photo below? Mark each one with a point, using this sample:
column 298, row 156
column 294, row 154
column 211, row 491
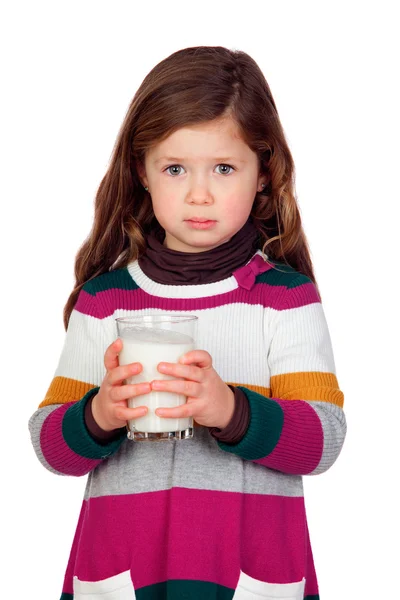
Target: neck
column 172, row 267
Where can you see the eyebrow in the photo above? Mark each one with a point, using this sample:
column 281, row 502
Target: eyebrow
column 175, row 159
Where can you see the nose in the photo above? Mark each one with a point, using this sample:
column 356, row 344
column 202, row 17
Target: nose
column 199, row 194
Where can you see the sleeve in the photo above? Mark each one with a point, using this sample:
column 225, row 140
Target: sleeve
column 300, row 427
column 58, row 430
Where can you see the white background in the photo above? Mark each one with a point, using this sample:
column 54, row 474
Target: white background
column 69, row 72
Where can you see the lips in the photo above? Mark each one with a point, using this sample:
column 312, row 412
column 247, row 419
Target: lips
column 200, row 223
column 199, row 220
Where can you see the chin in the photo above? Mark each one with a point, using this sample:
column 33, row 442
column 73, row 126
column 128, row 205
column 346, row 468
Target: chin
column 199, row 242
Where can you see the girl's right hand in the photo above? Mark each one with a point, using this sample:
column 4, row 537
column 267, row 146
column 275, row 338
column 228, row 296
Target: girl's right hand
column 110, row 405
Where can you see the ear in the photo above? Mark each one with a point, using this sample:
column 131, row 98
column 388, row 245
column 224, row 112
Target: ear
column 264, row 178
column 142, row 174
column 262, row 183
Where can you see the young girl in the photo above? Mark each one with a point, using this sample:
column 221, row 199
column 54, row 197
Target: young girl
column 200, row 184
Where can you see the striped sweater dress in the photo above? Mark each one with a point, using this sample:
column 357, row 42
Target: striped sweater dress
column 197, row 518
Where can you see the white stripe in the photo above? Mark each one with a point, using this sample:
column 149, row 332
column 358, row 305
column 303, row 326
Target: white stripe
column 301, row 341
column 117, row 587
column 82, row 356
column 248, row 343
column 232, row 334
column 249, row 588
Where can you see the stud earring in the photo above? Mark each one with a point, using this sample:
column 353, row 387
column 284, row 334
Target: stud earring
column 147, row 189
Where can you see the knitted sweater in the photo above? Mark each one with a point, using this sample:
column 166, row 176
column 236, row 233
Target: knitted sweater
column 199, row 518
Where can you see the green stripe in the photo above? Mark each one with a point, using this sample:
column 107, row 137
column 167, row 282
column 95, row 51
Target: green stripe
column 298, row 281
column 78, row 438
column 283, row 275
column 119, row 279
column 184, row 590
column 289, row 278
column 264, row 431
column 180, row 589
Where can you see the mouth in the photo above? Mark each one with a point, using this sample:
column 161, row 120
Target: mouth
column 200, row 223
column 200, row 220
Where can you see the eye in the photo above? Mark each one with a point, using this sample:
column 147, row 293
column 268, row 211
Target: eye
column 173, row 167
column 226, row 166
column 179, row 167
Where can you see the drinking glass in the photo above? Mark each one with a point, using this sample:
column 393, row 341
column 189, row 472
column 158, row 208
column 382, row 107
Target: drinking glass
column 149, row 340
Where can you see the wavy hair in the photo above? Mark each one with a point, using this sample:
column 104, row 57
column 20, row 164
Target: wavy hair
column 192, row 86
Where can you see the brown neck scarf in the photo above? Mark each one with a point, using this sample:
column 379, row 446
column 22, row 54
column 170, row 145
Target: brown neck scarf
column 172, row 267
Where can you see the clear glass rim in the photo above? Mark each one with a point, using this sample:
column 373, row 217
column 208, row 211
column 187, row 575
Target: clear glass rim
column 154, row 318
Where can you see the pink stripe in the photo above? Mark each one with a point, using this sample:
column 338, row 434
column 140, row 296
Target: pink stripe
column 261, row 294
column 304, row 294
column 273, row 538
column 55, row 450
column 311, row 588
column 68, row 579
column 192, row 534
column 85, row 304
column 300, row 445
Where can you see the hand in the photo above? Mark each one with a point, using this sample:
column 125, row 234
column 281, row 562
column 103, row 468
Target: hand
column 110, row 405
column 210, row 401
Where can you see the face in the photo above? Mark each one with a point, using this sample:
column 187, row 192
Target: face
column 202, row 180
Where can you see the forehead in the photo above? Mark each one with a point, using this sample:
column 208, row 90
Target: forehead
column 215, row 139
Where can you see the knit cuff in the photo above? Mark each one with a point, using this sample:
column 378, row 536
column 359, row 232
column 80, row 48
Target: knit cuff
column 97, row 433
column 264, row 430
column 237, row 426
column 77, row 436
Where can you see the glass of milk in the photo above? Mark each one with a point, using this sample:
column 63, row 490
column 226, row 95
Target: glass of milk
column 149, row 340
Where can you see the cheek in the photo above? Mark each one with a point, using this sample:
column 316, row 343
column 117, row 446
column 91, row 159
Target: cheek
column 164, row 210
column 238, row 212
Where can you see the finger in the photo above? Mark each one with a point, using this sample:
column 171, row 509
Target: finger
column 199, row 357
column 124, row 392
column 177, row 412
column 178, row 370
column 119, row 374
column 125, row 414
column 177, row 386
column 111, row 354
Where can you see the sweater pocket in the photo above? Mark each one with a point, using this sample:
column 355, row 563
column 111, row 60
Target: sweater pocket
column 249, row 588
column 118, row 587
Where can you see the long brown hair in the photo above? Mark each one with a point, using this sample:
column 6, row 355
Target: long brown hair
column 192, row 86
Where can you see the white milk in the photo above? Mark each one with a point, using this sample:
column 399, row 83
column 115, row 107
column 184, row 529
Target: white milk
column 149, row 347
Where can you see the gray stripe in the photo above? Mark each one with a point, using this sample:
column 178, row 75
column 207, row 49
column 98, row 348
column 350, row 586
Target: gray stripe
column 197, row 463
column 334, row 426
column 35, row 426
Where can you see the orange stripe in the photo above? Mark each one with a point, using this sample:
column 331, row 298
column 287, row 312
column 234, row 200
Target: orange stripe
column 63, row 389
column 312, row 385
column 264, row 391
column 290, row 386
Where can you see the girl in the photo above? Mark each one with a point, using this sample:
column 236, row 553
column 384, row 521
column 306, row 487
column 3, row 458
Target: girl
column 199, row 185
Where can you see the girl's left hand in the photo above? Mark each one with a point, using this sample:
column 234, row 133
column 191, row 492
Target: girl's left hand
column 210, row 401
